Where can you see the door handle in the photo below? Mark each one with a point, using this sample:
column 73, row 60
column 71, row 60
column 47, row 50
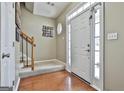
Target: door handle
column 98, row 64
column 87, row 50
column 5, row 55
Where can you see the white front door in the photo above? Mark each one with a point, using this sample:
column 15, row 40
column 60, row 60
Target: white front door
column 7, row 36
column 80, row 46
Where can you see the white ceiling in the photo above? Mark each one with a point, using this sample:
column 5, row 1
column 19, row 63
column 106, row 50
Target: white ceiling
column 44, row 9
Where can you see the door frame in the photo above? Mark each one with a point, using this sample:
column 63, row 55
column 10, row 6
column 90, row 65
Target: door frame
column 102, row 54
column 11, row 81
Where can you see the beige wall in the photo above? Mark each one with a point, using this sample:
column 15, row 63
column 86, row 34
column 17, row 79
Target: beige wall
column 114, row 49
column 29, row 6
column 61, row 39
column 32, row 24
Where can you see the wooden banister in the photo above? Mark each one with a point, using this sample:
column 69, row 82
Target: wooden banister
column 31, row 41
column 27, row 38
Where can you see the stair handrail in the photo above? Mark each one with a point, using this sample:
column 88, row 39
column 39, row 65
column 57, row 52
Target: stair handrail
column 27, row 38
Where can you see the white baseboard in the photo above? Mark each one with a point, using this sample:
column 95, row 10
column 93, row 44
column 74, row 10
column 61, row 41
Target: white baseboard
column 60, row 62
column 67, row 70
column 18, row 82
column 51, row 60
column 95, row 87
column 37, row 61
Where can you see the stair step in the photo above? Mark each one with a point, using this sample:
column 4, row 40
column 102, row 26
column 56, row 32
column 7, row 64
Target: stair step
column 41, row 68
column 40, row 71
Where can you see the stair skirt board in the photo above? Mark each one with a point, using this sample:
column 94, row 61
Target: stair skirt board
column 42, row 67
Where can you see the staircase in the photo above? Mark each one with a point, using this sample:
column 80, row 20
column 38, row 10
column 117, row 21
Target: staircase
column 27, row 65
column 28, row 62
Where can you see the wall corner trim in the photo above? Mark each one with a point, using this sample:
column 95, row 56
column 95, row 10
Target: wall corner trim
column 17, row 85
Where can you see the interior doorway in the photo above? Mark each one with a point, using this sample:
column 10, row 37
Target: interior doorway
column 85, row 43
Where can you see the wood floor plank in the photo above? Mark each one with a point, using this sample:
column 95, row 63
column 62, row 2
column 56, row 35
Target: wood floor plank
column 57, row 81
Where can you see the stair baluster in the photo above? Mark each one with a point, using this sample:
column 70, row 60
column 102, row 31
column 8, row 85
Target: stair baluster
column 29, row 40
column 27, row 52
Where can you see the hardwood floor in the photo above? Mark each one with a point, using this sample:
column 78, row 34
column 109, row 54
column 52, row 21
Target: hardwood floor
column 57, row 81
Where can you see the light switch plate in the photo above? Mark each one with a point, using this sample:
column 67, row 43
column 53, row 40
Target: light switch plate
column 112, row 36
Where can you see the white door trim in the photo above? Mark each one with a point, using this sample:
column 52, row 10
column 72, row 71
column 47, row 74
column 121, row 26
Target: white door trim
column 102, row 35
column 7, row 26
